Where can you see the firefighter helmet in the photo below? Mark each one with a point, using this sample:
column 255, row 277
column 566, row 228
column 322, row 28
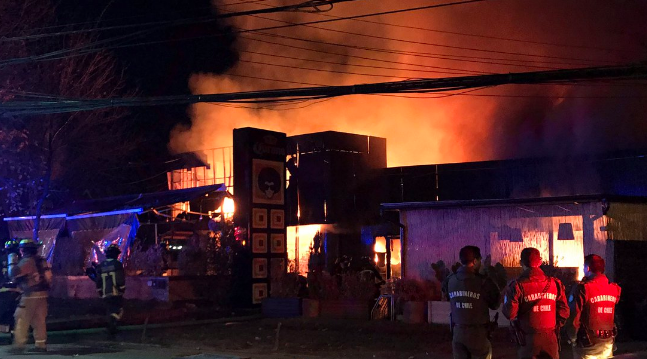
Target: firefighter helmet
column 10, row 244
column 113, row 251
column 28, row 243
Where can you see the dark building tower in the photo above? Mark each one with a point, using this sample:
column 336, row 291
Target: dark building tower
column 335, row 178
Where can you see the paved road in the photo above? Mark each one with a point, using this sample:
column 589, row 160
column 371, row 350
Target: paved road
column 117, row 351
column 109, row 350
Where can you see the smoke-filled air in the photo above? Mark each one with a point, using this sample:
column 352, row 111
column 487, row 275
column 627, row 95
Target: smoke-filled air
column 496, row 36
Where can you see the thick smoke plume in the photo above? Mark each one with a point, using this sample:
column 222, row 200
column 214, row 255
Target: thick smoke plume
column 494, row 123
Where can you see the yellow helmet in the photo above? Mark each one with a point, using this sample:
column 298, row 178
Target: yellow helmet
column 28, row 243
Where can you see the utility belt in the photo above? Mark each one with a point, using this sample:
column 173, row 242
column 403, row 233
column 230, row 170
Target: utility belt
column 491, row 325
column 518, row 335
column 484, row 325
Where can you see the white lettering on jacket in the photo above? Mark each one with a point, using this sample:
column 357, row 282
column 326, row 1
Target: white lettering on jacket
column 537, row 296
column 464, row 293
column 603, row 298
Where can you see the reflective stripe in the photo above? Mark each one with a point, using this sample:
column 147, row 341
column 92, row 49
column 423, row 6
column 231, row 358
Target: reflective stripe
column 118, row 315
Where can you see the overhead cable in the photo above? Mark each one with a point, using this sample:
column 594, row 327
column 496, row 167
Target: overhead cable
column 291, row 95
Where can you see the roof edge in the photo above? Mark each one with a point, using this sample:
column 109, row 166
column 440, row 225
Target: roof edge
column 517, row 201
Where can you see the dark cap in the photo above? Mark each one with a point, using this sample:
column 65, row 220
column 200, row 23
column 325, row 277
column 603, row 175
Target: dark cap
column 530, row 257
column 468, row 254
column 595, row 263
column 113, row 251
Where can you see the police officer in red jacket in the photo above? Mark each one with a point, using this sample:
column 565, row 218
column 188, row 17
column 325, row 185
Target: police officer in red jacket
column 536, row 306
column 592, row 304
column 470, row 295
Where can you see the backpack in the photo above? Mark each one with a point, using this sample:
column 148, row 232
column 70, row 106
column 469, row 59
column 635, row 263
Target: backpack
column 45, row 273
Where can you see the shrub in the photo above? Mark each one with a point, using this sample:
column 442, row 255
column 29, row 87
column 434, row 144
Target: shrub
column 441, row 272
column 354, row 286
column 286, row 285
column 146, row 262
column 69, row 257
column 415, row 290
column 322, row 285
column 192, row 260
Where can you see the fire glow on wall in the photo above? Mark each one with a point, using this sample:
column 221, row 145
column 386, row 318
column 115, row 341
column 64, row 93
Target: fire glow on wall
column 299, row 245
column 380, row 257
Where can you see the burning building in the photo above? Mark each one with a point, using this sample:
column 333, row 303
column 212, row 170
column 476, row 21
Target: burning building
column 334, row 188
column 569, row 207
column 565, row 208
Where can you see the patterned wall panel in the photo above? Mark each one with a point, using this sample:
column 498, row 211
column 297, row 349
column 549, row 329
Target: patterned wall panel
column 501, row 232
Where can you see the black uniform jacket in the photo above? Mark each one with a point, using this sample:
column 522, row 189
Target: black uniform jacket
column 470, row 295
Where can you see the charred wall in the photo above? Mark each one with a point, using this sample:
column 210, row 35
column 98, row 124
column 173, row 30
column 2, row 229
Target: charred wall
column 338, row 178
column 615, row 173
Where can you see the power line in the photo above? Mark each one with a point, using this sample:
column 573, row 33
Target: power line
column 325, row 70
column 525, row 96
column 472, row 35
column 452, row 57
column 362, row 57
column 315, row 93
column 186, row 21
column 278, row 80
column 309, row 24
column 275, row 80
column 58, row 53
column 61, row 52
column 471, row 61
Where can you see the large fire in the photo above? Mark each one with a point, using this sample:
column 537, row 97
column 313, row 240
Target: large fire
column 502, row 122
column 299, row 244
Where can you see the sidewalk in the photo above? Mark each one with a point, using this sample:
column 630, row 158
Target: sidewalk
column 114, row 351
column 263, row 338
column 121, row 350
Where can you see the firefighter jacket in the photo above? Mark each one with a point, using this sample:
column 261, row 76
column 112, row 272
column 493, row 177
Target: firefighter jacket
column 537, row 301
column 111, row 280
column 592, row 304
column 33, row 276
column 470, row 295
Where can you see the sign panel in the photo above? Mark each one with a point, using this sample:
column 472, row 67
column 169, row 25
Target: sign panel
column 259, row 190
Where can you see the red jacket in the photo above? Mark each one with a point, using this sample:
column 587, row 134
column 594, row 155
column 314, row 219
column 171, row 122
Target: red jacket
column 592, row 304
column 537, row 301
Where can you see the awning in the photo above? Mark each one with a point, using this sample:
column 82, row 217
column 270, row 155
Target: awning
column 143, row 200
column 101, row 222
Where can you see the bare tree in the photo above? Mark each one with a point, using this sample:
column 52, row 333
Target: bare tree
column 62, row 152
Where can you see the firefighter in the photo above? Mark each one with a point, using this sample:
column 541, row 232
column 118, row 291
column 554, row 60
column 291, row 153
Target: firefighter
column 592, row 304
column 111, row 285
column 34, row 277
column 537, row 308
column 9, row 292
column 470, row 295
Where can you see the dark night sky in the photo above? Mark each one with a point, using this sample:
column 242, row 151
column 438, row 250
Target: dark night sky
column 158, row 69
